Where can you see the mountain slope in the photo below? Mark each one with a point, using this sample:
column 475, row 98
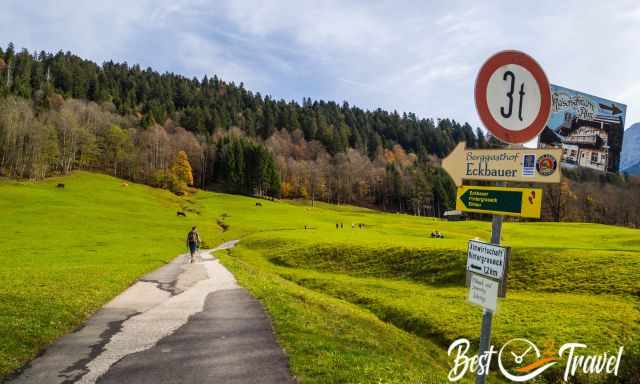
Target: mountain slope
column 204, row 105
column 630, row 157
column 371, row 304
column 633, row 170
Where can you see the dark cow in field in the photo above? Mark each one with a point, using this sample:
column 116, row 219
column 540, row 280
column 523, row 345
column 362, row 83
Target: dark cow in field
column 60, row 185
column 180, row 213
column 258, row 204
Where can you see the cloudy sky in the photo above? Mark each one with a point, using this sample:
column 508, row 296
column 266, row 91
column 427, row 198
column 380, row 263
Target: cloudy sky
column 416, row 56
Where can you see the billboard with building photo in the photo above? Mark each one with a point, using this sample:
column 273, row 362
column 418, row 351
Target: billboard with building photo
column 588, row 128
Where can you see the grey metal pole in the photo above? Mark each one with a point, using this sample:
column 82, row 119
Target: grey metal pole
column 496, row 229
column 487, row 317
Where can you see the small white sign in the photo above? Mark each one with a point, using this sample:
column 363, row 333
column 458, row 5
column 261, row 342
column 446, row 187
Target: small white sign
column 487, row 259
column 483, row 292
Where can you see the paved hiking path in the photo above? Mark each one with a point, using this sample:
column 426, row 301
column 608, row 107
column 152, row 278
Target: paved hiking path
column 183, row 323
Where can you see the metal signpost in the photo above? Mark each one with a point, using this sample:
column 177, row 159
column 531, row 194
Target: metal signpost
column 513, row 100
column 487, row 316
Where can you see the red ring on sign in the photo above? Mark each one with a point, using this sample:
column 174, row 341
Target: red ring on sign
column 482, row 81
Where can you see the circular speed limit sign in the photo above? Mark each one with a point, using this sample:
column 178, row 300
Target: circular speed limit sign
column 513, row 97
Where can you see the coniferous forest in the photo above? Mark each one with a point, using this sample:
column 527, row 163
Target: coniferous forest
column 59, row 112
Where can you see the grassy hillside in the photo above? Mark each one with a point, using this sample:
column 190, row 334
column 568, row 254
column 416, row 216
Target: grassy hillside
column 65, row 252
column 373, row 305
column 569, row 282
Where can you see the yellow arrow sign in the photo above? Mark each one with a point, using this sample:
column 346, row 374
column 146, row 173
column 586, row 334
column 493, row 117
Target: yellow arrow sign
column 515, row 165
column 522, row 202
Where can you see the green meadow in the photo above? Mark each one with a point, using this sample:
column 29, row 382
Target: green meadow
column 350, row 305
column 64, row 252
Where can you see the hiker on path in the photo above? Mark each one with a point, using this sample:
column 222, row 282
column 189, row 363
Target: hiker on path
column 193, row 243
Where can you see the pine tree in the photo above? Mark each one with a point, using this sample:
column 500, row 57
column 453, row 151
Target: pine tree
column 482, row 142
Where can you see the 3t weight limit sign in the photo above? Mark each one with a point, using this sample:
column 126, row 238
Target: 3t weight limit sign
column 513, row 97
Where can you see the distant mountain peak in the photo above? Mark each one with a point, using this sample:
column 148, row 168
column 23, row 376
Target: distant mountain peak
column 630, row 157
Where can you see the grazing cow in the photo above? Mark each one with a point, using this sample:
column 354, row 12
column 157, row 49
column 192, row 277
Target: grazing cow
column 125, row 184
column 60, row 185
column 180, row 213
column 258, row 204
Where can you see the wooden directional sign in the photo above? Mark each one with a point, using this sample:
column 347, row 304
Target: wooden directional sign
column 515, row 165
column 513, row 96
column 522, row 202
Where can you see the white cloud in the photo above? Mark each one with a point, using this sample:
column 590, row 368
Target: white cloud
column 405, row 55
column 201, row 56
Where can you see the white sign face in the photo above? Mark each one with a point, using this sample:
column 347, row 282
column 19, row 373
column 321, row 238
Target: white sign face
column 513, row 97
column 487, row 259
column 483, row 292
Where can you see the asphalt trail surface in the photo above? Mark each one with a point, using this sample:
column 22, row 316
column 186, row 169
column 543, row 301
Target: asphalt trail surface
column 183, row 323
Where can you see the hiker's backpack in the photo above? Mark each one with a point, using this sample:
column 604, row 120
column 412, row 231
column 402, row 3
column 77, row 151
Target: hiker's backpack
column 193, row 238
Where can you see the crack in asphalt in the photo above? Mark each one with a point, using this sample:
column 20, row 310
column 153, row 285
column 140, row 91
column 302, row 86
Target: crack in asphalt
column 148, row 328
column 113, row 328
column 163, row 286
